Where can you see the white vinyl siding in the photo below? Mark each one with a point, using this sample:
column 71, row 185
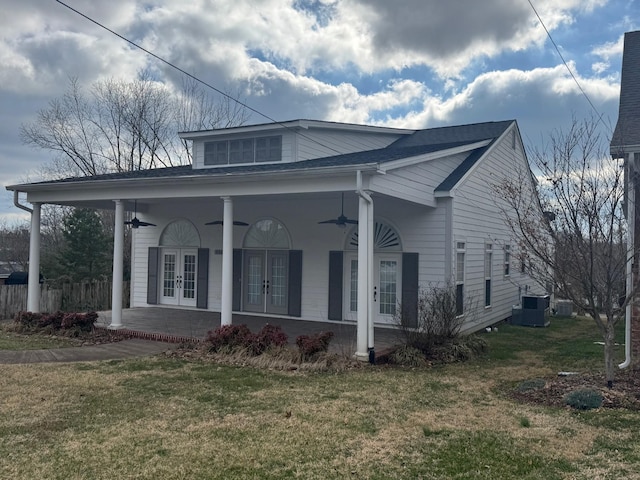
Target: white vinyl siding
column 476, row 218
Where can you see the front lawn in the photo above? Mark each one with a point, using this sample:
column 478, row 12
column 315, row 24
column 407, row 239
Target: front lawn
column 172, row 418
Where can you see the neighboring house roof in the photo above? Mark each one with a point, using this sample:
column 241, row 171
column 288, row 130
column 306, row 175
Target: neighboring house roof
column 420, row 142
column 627, row 132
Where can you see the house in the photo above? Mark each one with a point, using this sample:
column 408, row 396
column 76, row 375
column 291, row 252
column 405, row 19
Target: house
column 625, row 144
column 315, row 220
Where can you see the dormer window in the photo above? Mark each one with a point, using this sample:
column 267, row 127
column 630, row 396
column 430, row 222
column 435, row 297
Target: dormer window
column 243, row 151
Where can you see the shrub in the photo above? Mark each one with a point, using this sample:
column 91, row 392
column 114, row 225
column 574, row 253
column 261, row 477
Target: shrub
column 78, row 322
column 408, row 356
column 531, row 384
column 239, row 336
column 230, row 336
column 52, row 321
column 584, row 399
column 437, row 320
column 310, row 345
column 26, row 320
column 270, row 336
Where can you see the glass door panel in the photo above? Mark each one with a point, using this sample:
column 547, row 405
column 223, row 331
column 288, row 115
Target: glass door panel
column 277, row 286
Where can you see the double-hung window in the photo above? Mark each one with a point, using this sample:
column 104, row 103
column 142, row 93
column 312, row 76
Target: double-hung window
column 507, row 260
column 488, row 257
column 460, row 253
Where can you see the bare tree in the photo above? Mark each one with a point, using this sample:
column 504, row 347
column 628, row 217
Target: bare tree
column 125, row 125
column 579, row 243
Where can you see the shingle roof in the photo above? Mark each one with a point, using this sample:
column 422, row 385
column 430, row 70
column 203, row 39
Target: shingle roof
column 627, row 130
column 419, row 143
column 459, row 133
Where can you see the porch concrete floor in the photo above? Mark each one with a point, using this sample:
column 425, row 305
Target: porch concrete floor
column 196, row 324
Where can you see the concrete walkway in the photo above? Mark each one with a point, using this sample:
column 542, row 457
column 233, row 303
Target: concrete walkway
column 106, row 351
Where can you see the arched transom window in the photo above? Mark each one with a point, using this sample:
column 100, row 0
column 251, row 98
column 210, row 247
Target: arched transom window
column 180, row 233
column 385, row 238
column 267, row 233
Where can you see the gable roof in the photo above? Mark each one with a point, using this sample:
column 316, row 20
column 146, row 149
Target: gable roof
column 413, row 145
column 627, row 132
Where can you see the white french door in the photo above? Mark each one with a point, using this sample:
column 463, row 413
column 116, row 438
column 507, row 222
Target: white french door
column 387, row 288
column 266, row 281
column 178, row 277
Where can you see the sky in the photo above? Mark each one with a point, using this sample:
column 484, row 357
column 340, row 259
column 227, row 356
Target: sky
column 401, row 63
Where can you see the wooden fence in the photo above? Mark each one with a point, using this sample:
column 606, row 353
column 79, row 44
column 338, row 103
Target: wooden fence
column 68, row 297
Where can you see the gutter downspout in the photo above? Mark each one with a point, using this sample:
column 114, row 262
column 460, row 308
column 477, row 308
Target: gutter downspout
column 16, row 202
column 631, row 214
column 370, row 332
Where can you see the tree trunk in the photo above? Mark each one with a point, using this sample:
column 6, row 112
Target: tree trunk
column 609, row 343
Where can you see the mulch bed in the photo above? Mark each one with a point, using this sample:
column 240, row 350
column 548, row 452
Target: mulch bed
column 624, row 394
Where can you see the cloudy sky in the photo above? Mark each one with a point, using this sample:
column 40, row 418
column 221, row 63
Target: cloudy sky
column 400, row 63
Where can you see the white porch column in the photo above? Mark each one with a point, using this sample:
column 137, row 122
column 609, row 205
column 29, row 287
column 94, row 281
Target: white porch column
column 227, row 263
column 33, row 288
column 364, row 291
column 373, row 306
column 118, row 265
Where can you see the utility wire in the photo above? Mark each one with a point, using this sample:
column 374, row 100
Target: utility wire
column 184, row 72
column 598, row 114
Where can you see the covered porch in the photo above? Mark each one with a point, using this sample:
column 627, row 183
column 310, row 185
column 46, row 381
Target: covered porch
column 172, row 323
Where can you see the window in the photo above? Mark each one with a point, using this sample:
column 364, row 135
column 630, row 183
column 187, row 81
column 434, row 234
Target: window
column 242, row 151
column 268, row 149
column 488, row 255
column 507, row 260
column 216, row 153
column 460, row 252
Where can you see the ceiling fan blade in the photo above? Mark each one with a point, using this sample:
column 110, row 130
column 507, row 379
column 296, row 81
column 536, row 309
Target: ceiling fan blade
column 352, row 222
column 237, row 223
column 333, row 220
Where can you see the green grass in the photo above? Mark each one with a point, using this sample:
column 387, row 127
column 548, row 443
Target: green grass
column 167, row 418
column 10, row 340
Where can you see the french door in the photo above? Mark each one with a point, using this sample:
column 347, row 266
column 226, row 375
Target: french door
column 387, row 277
column 178, row 277
column 266, row 281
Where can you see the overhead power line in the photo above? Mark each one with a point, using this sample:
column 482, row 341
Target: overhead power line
column 575, row 79
column 190, row 75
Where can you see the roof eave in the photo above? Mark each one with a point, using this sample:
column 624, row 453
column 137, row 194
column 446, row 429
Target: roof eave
column 173, row 180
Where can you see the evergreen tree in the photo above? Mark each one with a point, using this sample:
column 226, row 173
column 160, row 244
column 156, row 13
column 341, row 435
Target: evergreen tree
column 87, row 253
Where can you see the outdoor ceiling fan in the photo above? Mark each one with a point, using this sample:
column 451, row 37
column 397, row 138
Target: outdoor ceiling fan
column 135, row 222
column 237, row 223
column 342, row 220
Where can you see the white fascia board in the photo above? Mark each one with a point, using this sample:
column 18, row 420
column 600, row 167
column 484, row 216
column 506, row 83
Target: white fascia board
column 294, row 125
column 425, row 157
column 257, row 183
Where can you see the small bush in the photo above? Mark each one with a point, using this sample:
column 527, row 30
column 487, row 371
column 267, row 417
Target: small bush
column 52, row 321
column 82, row 322
column 229, row 336
column 310, row 345
column 232, row 337
column 584, row 399
column 532, row 384
column 26, row 320
column 270, row 336
column 408, row 356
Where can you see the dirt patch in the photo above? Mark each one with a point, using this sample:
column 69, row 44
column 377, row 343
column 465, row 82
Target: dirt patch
column 624, row 394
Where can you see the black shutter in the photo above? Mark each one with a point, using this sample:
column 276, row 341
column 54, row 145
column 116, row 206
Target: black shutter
column 335, row 285
column 237, row 279
column 410, row 289
column 295, row 283
column 203, row 278
column 152, row 275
